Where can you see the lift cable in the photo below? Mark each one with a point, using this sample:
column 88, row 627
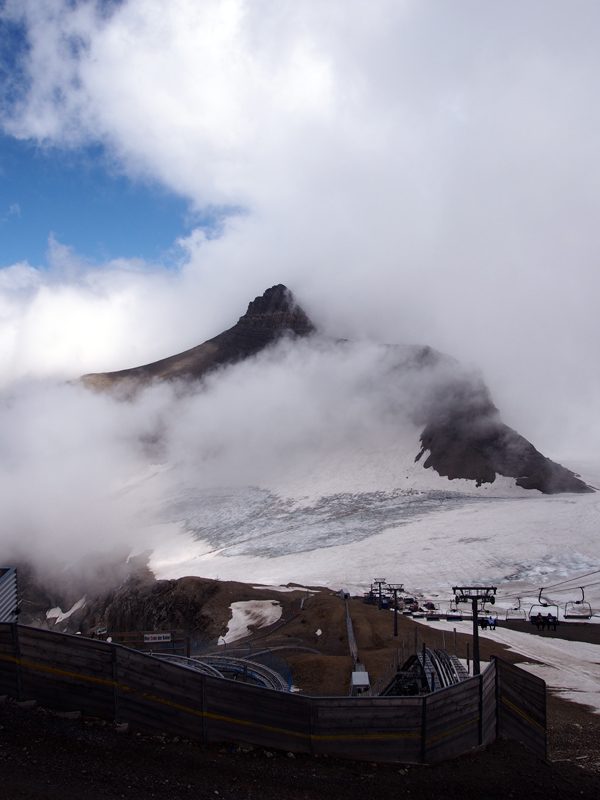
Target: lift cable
column 576, row 578
column 573, row 580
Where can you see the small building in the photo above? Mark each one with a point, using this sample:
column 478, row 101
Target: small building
column 9, row 599
column 359, row 683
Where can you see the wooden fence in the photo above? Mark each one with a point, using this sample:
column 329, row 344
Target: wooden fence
column 521, row 707
column 113, row 682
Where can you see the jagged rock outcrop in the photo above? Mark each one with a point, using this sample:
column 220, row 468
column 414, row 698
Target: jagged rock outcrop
column 150, row 605
column 268, row 318
column 464, row 437
column 463, row 434
column 481, row 449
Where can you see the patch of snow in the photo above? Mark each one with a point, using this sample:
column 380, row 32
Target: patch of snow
column 58, row 615
column 258, row 613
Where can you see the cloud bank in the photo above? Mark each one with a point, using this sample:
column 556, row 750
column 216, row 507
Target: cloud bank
column 86, row 477
column 415, row 172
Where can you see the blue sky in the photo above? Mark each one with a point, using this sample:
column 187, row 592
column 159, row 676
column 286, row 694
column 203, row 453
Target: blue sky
column 76, row 197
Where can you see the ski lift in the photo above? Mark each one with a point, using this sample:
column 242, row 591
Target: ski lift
column 542, row 603
column 454, row 612
column 516, row 612
column 578, row 609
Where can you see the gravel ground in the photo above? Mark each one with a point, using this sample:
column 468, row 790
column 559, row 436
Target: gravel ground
column 43, row 755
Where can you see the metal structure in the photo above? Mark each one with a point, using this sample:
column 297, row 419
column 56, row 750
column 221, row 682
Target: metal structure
column 453, row 612
column 234, row 668
column 478, row 596
column 578, row 609
column 189, row 663
column 379, row 583
column 9, row 596
column 395, row 588
column 426, row 672
column 516, row 612
column 542, row 603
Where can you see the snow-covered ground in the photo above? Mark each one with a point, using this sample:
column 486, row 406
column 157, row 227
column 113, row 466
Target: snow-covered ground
column 246, row 613
column 365, row 513
column 570, row 668
column 428, row 538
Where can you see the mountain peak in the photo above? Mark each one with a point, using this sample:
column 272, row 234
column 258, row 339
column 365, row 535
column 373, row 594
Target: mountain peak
column 270, row 316
column 276, row 309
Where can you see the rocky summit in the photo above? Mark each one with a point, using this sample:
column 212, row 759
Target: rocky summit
column 462, row 436
column 268, row 318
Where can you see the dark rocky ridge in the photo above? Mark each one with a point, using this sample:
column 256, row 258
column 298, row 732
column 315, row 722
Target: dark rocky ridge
column 463, row 432
column 479, row 449
column 267, row 319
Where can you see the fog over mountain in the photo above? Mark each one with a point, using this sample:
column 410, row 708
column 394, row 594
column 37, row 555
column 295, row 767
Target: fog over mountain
column 416, row 172
column 463, row 435
column 222, row 442
column 419, row 174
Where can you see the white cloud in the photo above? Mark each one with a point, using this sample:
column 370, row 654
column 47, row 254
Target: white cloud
column 421, row 172
column 84, row 474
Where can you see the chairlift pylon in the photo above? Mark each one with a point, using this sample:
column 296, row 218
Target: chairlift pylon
column 578, row 609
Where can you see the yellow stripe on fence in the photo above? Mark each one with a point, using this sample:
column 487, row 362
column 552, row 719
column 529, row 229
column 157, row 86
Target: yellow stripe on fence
column 452, row 731
column 37, row 667
column 523, row 714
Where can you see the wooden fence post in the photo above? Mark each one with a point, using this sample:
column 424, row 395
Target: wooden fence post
column 480, row 726
column 114, row 654
column 424, row 729
column 204, row 712
column 496, row 693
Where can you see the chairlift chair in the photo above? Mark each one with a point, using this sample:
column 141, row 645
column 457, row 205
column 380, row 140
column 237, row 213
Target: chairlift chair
column 454, row 612
column 432, row 614
column 542, row 603
column 516, row 612
column 578, row 609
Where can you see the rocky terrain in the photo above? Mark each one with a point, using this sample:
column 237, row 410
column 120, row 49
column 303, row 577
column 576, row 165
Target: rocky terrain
column 199, row 607
column 43, row 755
column 462, row 436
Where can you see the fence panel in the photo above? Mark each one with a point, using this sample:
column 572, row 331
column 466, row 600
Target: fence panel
column 376, row 728
column 521, row 707
column 111, row 681
column 240, row 712
column 158, row 696
column 452, row 722
column 67, row 672
column 488, row 704
column 9, row 676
